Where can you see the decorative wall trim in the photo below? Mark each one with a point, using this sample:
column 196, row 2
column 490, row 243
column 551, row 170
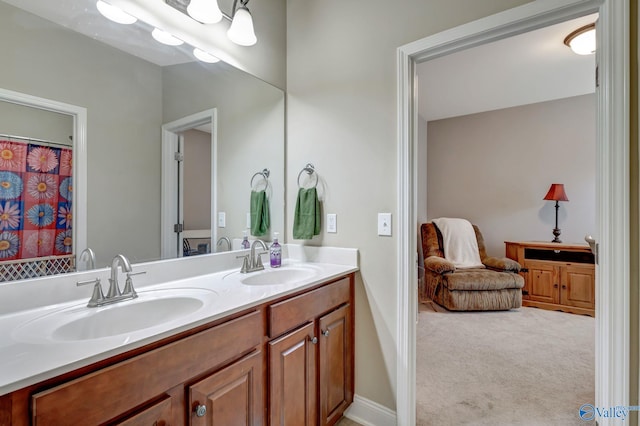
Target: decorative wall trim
column 369, row 413
column 612, row 309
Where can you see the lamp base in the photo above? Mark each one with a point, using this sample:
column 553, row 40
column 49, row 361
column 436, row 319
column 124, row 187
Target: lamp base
column 556, row 233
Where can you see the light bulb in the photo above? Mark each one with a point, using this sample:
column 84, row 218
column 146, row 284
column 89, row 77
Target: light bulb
column 115, row 14
column 241, row 30
column 165, row 37
column 204, row 56
column 205, row 11
column 583, row 40
column 585, row 43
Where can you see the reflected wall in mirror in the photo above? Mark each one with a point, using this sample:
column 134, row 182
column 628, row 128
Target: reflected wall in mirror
column 127, row 101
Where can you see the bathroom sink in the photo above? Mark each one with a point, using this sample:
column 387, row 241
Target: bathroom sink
column 278, row 276
column 150, row 309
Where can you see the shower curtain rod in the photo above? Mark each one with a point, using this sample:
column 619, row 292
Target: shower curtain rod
column 41, row 141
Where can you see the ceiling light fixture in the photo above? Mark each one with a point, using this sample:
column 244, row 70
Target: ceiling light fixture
column 241, row 30
column 205, row 11
column 115, row 14
column 204, row 56
column 583, row 40
column 166, row 38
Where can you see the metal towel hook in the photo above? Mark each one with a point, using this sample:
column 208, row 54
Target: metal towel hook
column 310, row 170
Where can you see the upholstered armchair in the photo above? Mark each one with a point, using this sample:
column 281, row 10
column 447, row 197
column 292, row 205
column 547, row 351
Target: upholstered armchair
column 496, row 287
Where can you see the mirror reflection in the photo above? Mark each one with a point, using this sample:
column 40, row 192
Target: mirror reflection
column 128, row 100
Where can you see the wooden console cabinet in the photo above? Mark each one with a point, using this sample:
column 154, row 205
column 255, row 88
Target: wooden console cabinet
column 286, row 362
column 557, row 276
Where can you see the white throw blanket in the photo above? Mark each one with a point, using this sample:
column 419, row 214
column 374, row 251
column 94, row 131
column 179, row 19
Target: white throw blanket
column 459, row 242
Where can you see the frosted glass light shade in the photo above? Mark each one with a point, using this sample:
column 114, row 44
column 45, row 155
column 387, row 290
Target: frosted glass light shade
column 241, row 30
column 205, row 11
column 583, row 40
column 166, row 38
column 115, row 14
column 204, row 56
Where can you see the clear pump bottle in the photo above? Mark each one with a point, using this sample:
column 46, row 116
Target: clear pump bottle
column 275, row 252
column 245, row 240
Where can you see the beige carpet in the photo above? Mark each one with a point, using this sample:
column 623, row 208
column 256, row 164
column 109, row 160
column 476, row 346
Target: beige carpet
column 522, row 367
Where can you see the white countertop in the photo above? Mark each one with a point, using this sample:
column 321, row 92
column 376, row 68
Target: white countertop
column 27, row 357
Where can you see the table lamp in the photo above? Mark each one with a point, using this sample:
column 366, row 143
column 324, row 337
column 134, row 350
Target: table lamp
column 556, row 193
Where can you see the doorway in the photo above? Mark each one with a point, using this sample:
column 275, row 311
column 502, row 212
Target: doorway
column 177, row 239
column 612, row 170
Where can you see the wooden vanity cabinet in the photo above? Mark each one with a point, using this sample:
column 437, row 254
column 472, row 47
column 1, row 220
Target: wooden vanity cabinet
column 286, row 362
column 311, row 367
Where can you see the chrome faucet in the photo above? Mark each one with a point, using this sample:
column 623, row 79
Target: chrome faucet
column 225, row 239
column 253, row 262
column 114, row 288
column 88, row 256
column 114, row 294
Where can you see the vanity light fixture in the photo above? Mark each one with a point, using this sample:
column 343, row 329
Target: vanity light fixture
column 583, row 40
column 166, row 38
column 205, row 11
column 241, row 30
column 204, row 56
column 115, row 14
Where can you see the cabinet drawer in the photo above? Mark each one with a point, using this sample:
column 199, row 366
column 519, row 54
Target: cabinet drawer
column 291, row 313
column 106, row 394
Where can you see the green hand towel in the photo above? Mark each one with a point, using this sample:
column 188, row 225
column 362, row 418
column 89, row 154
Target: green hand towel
column 259, row 213
column 306, row 219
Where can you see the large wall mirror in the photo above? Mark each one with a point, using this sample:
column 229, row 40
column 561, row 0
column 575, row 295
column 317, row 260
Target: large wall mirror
column 128, row 99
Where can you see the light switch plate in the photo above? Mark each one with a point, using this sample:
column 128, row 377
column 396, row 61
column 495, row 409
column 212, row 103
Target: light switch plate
column 222, row 219
column 384, row 224
column 332, row 223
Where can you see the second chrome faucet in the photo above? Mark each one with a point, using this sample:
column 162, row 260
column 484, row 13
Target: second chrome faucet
column 253, row 262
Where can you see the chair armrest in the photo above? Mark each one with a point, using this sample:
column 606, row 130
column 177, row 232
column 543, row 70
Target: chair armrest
column 501, row 264
column 439, row 265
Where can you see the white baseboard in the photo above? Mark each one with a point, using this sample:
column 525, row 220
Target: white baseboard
column 369, row 413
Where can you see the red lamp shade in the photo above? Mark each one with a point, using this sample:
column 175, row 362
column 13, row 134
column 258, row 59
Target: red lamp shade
column 556, row 193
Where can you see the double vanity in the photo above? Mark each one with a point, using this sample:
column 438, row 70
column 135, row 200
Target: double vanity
column 202, row 343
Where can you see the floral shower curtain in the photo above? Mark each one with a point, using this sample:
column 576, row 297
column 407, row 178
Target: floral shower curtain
column 35, row 200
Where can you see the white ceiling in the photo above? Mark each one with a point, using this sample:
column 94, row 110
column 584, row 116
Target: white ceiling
column 520, row 70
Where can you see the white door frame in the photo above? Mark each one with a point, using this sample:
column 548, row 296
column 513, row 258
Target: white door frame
column 612, row 375
column 79, row 163
column 169, row 176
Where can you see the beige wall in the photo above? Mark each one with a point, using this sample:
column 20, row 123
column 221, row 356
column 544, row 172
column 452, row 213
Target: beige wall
column 19, row 120
column 494, row 168
column 341, row 94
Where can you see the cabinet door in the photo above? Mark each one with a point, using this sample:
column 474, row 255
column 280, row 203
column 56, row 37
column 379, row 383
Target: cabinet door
column 542, row 281
column 292, row 378
column 158, row 414
column 578, row 286
column 334, row 364
column 231, row 397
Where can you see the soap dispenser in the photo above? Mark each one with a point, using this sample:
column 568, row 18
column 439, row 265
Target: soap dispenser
column 245, row 240
column 275, row 252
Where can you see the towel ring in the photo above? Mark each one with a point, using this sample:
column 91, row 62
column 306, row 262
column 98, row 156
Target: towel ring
column 265, row 175
column 310, row 169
